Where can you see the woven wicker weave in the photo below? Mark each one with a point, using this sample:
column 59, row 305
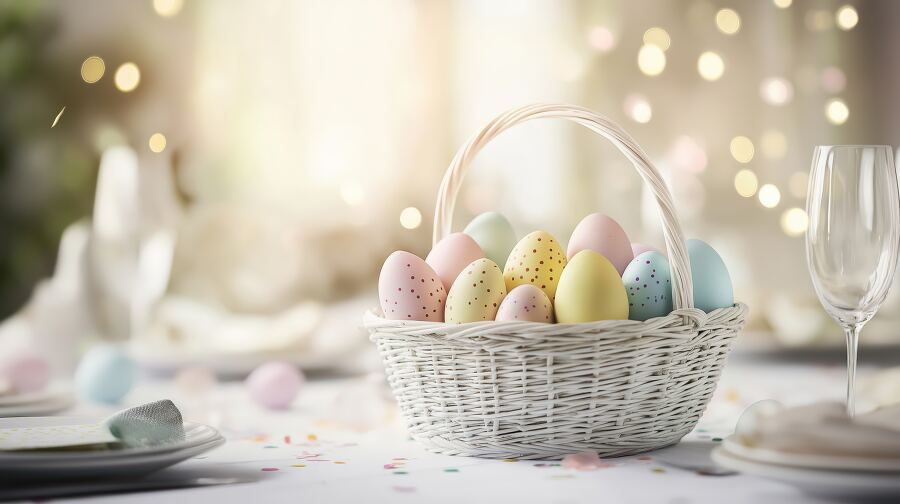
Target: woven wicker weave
column 532, row 390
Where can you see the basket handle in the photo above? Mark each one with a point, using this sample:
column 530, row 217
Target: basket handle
column 682, row 291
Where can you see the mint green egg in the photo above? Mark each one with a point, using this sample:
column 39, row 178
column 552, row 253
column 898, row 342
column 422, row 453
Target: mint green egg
column 712, row 283
column 494, row 234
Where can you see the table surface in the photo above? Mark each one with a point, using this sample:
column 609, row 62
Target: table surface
column 343, row 442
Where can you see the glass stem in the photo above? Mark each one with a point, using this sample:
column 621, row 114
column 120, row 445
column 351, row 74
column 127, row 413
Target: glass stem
column 852, row 333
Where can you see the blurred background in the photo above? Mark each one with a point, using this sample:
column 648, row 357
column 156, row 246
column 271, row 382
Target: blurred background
column 220, row 181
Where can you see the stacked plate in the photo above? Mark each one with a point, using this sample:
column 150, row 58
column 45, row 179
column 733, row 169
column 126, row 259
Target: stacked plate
column 56, row 397
column 125, row 461
column 826, row 475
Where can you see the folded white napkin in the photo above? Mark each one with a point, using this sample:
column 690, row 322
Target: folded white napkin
column 148, row 424
column 821, row 429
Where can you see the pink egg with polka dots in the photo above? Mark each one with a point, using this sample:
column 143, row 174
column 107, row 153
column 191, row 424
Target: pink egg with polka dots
column 526, row 303
column 451, row 255
column 408, row 289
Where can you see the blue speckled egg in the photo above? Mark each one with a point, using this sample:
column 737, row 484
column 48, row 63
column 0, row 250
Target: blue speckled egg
column 712, row 283
column 105, row 374
column 648, row 282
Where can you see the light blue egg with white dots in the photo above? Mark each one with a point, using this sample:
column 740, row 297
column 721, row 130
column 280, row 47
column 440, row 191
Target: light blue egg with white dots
column 105, row 374
column 648, row 283
column 711, row 281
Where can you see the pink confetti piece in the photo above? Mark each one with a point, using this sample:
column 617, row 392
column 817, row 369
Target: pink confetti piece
column 287, row 439
column 645, row 457
column 269, row 469
column 584, row 461
column 390, row 466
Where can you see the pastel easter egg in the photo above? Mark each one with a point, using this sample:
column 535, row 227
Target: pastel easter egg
column 450, row 255
column 639, row 248
column 590, row 289
column 494, row 234
column 408, row 289
column 105, row 374
column 25, row 372
column 711, row 281
column 476, row 294
column 526, row 303
column 538, row 260
column 648, row 282
column 603, row 235
column 274, row 385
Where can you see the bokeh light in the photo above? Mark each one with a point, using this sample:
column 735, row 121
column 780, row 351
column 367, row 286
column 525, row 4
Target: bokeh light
column 776, row 91
column 742, row 149
column 836, row 111
column 651, row 60
column 410, row 218
column 846, row 17
column 728, row 21
column 819, row 20
column 746, row 183
column 782, row 4
column 127, row 77
column 710, row 66
column 157, row 142
column 602, row 39
column 798, row 184
column 794, row 221
column 688, row 155
column 638, row 108
column 833, row 80
column 769, row 195
column 168, row 8
column 774, row 144
column 658, row 37
column 92, row 69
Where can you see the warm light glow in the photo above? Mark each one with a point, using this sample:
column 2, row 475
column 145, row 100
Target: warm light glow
column 846, row 17
column 836, row 111
column 776, row 91
column 157, row 142
column 794, row 221
column 798, row 184
column 819, row 20
column 774, row 144
column 746, row 183
column 92, row 69
column 782, row 4
column 352, row 193
column 710, row 66
column 769, row 196
column 602, row 39
column 167, row 8
column 833, row 80
column 127, row 77
column 410, row 218
column 742, row 149
column 638, row 108
column 658, row 37
column 651, row 60
column 728, row 21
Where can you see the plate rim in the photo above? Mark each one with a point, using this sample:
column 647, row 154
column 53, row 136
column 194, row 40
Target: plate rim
column 811, row 461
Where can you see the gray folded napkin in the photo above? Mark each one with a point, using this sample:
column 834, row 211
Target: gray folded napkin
column 149, row 424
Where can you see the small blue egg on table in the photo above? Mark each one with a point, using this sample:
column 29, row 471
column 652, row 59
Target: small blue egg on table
column 648, row 282
column 105, row 374
column 711, row 281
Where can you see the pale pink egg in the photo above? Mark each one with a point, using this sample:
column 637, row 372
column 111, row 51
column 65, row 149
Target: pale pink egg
column 274, row 385
column 526, row 303
column 408, row 289
column 603, row 235
column 639, row 248
column 451, row 255
column 25, row 372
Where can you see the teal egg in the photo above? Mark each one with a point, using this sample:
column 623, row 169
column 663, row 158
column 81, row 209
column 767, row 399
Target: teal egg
column 712, row 283
column 105, row 374
column 648, row 282
column 494, row 234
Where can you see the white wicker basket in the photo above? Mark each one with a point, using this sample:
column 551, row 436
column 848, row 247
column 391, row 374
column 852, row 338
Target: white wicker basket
column 532, row 390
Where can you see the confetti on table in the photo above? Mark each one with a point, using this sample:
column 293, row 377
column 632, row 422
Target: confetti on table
column 269, row 469
column 270, row 446
column 298, row 465
column 510, row 460
column 717, row 440
column 645, row 457
column 584, row 461
column 658, row 470
column 311, row 437
column 339, row 462
column 287, row 439
column 451, row 470
column 400, row 472
column 404, row 489
column 390, row 466
column 55, row 121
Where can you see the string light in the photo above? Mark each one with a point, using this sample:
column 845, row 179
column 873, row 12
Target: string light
column 658, row 37
column 638, row 108
column 157, row 142
column 92, row 69
column 846, row 17
column 782, row 4
column 410, row 218
column 836, row 111
column 776, row 91
column 794, row 221
column 774, row 144
column 746, row 183
column 728, row 21
column 167, row 8
column 602, row 39
column 710, row 66
column 769, row 196
column 742, row 149
column 798, row 184
column 651, row 60
column 127, row 77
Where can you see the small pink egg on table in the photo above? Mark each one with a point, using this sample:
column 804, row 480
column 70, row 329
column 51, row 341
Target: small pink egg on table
column 25, row 372
column 274, row 385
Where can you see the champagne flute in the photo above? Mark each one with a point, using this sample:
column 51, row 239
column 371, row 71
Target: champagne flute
column 853, row 236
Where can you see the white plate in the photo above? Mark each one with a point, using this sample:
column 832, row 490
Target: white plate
column 53, row 391
column 34, row 409
column 821, row 482
column 811, row 461
column 195, row 435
